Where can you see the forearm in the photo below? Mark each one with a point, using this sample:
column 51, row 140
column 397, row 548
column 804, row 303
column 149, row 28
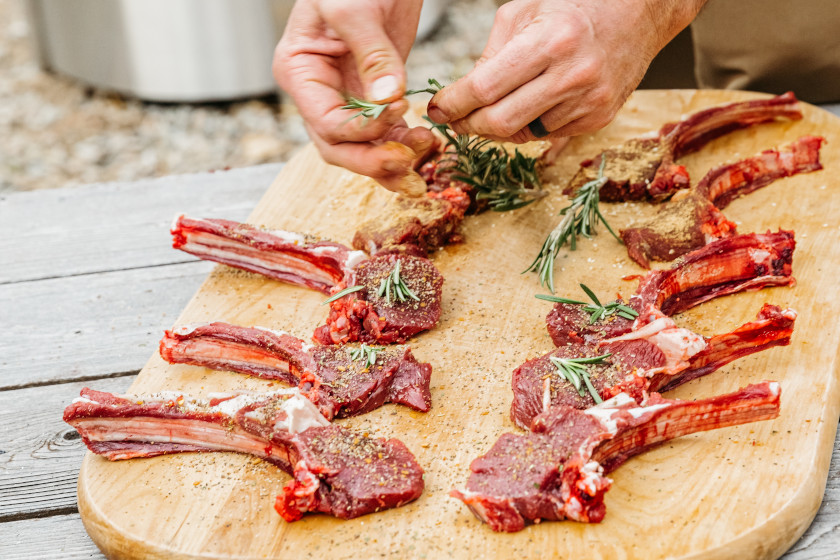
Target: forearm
column 669, row 17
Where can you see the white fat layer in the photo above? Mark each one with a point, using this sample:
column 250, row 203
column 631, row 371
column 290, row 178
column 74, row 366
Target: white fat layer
column 354, row 258
column 175, row 221
column 301, row 414
column 605, row 416
column 306, row 347
column 619, row 400
column 220, row 252
column 272, row 331
column 676, row 343
column 287, row 236
column 760, row 256
column 592, row 473
column 184, row 330
column 775, row 388
column 637, row 412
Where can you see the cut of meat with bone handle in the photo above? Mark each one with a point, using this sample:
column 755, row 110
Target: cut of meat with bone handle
column 337, row 383
column 375, row 315
column 651, row 353
column 694, row 220
column 336, row 471
column 557, row 471
column 361, row 316
column 658, row 357
column 745, row 262
column 281, row 255
column 645, row 168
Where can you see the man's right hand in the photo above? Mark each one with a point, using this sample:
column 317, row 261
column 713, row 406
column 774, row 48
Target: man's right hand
column 333, row 48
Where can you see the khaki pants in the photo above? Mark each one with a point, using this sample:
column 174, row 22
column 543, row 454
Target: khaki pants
column 771, row 46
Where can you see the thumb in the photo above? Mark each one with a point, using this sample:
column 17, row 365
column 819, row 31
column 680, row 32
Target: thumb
column 379, row 64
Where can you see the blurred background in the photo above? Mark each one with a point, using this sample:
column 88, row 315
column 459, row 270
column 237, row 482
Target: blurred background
column 119, row 90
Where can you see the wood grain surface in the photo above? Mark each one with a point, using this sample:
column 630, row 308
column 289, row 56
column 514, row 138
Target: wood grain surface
column 742, row 492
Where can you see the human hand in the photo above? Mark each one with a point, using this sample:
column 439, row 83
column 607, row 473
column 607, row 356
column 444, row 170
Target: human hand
column 569, row 64
column 333, row 48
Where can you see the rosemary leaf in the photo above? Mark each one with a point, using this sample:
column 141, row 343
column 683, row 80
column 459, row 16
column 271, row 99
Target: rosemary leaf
column 342, row 293
column 574, row 371
column 396, row 283
column 579, row 218
column 597, row 311
column 366, row 352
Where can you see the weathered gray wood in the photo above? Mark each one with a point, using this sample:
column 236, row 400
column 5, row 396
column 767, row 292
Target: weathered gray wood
column 40, row 455
column 92, row 325
column 114, row 226
column 50, row 538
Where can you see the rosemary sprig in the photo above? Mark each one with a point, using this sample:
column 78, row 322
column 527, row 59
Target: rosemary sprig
column 598, row 310
column 393, row 282
column 342, row 293
column 370, row 110
column 366, row 352
column 505, row 181
column 579, row 218
column 366, row 109
column 574, row 370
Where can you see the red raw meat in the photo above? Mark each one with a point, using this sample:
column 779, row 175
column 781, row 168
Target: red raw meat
column 425, row 223
column 283, row 255
column 651, row 353
column 363, row 316
column 696, row 219
column 338, row 385
column 557, row 470
column 368, row 317
column 645, row 168
column 336, row 471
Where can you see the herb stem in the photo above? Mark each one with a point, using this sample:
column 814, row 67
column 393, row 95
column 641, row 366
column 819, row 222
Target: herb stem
column 342, row 293
column 598, row 310
column 579, row 218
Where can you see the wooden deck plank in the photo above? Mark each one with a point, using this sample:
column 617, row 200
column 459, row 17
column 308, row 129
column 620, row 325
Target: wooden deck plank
column 60, row 536
column 114, row 226
column 92, row 325
column 40, row 455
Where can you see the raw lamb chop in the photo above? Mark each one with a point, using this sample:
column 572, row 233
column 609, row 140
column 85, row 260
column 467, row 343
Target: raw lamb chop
column 425, row 223
column 283, row 255
column 557, row 471
column 365, row 315
column 341, row 381
column 650, row 352
column 645, row 168
column 336, row 471
column 376, row 315
column 695, row 219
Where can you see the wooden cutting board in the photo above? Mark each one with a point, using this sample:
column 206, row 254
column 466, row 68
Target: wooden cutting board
column 742, row 492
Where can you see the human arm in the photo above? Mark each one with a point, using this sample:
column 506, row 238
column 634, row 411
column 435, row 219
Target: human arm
column 333, row 48
column 572, row 64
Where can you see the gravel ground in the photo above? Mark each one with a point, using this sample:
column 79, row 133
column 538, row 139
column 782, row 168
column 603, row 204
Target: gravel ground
column 57, row 132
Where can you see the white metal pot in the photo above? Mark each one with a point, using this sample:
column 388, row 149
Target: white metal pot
column 170, row 50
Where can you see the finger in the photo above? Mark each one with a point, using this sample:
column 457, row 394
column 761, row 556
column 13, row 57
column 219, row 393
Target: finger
column 320, row 103
column 378, row 62
column 515, row 64
column 514, row 111
column 419, row 139
column 388, row 162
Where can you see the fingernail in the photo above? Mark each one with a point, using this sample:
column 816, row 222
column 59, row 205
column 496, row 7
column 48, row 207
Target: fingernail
column 384, row 88
column 436, row 114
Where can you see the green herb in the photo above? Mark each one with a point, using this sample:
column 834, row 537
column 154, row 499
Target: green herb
column 579, row 218
column 598, row 310
column 393, row 282
column 370, row 110
column 505, row 181
column 342, row 293
column 574, row 370
column 366, row 352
